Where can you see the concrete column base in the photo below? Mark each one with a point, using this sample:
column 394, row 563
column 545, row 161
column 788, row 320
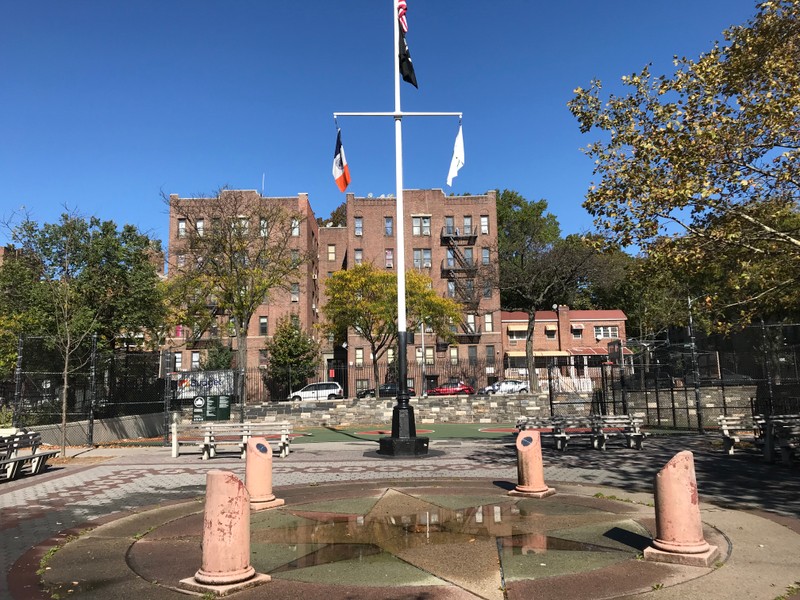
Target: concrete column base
column 193, row 585
column 257, row 504
column 522, row 492
column 702, row 559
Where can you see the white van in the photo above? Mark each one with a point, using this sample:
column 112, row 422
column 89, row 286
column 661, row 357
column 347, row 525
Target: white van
column 329, row 390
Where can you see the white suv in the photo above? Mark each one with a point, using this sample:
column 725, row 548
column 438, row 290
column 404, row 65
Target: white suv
column 512, row 386
column 328, row 390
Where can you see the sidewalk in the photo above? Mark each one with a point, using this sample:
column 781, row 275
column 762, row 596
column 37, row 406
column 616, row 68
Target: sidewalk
column 107, row 483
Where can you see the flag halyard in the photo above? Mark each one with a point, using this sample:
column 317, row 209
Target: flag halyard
column 341, row 172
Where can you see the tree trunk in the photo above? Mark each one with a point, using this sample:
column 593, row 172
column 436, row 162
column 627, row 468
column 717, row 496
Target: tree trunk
column 530, row 361
column 375, row 372
column 64, row 396
column 241, row 360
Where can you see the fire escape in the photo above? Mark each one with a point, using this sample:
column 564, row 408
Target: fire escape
column 459, row 269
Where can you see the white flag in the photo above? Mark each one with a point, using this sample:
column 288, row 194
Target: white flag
column 458, row 157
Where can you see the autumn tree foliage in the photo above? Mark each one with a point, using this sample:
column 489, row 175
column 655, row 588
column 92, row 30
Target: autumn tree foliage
column 701, row 168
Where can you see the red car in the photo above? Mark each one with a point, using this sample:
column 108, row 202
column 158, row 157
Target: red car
column 452, row 389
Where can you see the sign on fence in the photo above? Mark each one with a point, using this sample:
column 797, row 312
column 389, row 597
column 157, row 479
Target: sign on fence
column 204, row 383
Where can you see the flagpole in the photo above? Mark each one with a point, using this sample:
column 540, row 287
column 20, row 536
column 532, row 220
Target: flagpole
column 404, row 440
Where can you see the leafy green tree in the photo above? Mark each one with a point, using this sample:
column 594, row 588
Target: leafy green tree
column 236, row 251
column 701, row 167
column 75, row 286
column 364, row 299
column 338, row 217
column 218, row 357
column 293, row 355
column 537, row 267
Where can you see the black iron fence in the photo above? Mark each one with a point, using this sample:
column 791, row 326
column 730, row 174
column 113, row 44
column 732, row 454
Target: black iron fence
column 669, row 386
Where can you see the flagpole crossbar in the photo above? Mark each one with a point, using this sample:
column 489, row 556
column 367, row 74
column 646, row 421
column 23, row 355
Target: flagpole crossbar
column 398, row 115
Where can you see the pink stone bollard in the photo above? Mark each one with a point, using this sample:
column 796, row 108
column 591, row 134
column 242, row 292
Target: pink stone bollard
column 530, row 469
column 225, row 565
column 679, row 530
column 258, row 474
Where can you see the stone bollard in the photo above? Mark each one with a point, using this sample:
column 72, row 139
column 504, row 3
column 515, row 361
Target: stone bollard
column 225, row 565
column 258, row 475
column 679, row 530
column 530, row 470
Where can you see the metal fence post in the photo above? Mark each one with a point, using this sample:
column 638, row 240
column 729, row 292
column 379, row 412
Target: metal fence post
column 92, row 376
column 15, row 416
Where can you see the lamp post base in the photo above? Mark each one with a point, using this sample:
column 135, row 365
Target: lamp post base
column 404, row 440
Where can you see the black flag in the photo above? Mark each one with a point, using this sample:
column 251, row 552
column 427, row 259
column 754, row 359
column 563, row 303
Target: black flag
column 406, row 67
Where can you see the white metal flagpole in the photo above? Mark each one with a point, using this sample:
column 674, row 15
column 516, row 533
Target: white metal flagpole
column 403, row 440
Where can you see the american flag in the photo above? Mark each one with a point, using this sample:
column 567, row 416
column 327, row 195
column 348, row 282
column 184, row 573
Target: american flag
column 402, row 7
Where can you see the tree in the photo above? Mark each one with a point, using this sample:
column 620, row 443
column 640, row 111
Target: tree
column 338, row 217
column 364, row 299
column 80, row 273
column 702, row 167
column 236, row 251
column 218, row 357
column 293, row 354
column 537, row 268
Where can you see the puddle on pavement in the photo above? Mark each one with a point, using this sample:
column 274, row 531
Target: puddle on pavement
column 513, row 539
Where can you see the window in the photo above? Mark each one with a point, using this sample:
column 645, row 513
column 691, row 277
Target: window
column 361, row 385
column 469, row 288
column 200, row 226
column 295, row 256
column 295, row 292
column 577, row 332
column 195, row 361
column 468, row 258
column 358, row 256
column 295, row 319
column 420, row 225
column 244, row 225
column 484, row 256
column 451, row 289
column 389, row 258
column 181, row 260
column 453, row 355
column 606, row 331
column 359, row 357
column 487, row 289
column 262, row 325
column 472, row 355
column 331, row 251
column 429, row 355
column 390, row 355
column 181, row 228
column 262, row 358
column 263, row 228
column 451, row 258
column 178, row 361
column 470, row 323
column 484, row 224
column 329, row 274
column 517, row 336
column 467, row 225
column 489, row 356
column 388, row 226
column 295, row 228
column 449, row 226
column 359, row 225
column 488, row 322
column 422, row 258
column 550, row 333
column 418, row 353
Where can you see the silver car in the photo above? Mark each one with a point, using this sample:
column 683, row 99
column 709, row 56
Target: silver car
column 512, row 386
column 328, row 390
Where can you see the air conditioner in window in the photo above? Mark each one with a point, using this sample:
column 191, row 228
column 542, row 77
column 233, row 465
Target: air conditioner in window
column 426, row 265
column 389, row 265
column 313, row 306
column 313, row 276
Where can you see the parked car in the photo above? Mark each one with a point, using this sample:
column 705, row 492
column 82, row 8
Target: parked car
column 387, row 390
column 452, row 389
column 512, row 386
column 490, row 389
column 328, row 390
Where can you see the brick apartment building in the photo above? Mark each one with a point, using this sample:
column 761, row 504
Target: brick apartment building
column 453, row 240
column 567, row 343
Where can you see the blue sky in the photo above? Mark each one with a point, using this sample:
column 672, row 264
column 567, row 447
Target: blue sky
column 105, row 104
